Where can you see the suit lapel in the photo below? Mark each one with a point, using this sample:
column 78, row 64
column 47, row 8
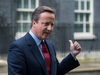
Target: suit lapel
column 39, row 57
column 36, row 52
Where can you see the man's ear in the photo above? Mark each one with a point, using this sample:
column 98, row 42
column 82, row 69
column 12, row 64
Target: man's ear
column 34, row 23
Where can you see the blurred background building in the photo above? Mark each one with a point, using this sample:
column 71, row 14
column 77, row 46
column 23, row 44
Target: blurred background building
column 78, row 20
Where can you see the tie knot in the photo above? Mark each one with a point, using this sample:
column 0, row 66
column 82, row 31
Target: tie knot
column 42, row 43
column 44, row 48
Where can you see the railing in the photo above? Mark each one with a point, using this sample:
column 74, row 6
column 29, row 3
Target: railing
column 60, row 37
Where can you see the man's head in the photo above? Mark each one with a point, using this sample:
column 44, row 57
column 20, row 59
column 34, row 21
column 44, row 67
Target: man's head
column 39, row 10
column 42, row 22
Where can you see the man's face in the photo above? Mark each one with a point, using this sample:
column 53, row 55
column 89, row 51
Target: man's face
column 44, row 26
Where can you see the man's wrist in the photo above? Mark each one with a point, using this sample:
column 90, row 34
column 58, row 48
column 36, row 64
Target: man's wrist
column 74, row 56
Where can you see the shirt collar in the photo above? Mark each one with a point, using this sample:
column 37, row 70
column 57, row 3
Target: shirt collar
column 35, row 38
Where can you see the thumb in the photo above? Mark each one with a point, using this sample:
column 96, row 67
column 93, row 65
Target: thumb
column 71, row 43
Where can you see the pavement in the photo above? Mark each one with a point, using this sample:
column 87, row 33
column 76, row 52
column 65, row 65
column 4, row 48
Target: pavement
column 84, row 66
column 87, row 67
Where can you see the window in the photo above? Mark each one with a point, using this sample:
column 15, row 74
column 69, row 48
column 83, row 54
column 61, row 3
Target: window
column 24, row 13
column 83, row 24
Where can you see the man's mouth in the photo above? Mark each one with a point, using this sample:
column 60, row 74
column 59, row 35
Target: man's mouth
column 47, row 33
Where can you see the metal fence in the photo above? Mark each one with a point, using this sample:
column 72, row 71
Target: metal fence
column 6, row 37
column 59, row 37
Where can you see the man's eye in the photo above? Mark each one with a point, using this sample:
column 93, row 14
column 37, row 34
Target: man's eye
column 46, row 24
column 52, row 24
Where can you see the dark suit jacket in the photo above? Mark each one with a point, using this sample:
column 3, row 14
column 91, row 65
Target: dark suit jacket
column 24, row 58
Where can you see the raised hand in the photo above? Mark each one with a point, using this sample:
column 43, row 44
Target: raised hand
column 75, row 48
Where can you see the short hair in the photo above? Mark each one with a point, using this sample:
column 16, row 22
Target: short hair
column 39, row 10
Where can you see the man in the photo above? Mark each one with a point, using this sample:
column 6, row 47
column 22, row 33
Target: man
column 33, row 54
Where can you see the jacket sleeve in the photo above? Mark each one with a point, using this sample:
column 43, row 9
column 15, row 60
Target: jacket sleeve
column 67, row 64
column 16, row 60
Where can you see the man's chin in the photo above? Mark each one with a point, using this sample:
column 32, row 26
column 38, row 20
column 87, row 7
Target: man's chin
column 45, row 38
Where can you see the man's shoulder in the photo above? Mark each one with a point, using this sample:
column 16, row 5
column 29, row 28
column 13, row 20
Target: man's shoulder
column 20, row 40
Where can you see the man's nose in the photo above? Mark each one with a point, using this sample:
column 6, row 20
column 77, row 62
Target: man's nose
column 49, row 27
